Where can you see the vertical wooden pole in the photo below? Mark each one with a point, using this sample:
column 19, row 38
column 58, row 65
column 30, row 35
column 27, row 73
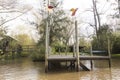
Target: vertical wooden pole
column 77, row 46
column 74, row 50
column 109, row 53
column 46, row 48
column 91, row 53
column 47, row 41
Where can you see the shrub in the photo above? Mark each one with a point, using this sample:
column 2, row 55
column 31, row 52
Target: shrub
column 38, row 54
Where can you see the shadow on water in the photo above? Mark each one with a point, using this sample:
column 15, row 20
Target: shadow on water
column 25, row 69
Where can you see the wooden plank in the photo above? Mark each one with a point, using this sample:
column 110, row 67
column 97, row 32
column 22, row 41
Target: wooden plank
column 84, row 67
column 94, row 57
column 70, row 58
column 61, row 58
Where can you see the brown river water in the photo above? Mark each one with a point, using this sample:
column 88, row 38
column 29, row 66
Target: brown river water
column 25, row 69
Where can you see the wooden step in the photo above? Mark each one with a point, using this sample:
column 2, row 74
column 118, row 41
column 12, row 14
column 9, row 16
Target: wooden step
column 84, row 67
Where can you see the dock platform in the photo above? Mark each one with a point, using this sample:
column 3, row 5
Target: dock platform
column 73, row 60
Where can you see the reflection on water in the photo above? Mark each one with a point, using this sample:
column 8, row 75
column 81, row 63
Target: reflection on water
column 25, row 69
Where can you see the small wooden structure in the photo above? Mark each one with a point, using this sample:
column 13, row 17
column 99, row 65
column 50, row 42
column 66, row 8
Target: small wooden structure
column 70, row 58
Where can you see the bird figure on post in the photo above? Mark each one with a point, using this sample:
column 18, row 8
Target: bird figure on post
column 53, row 6
column 73, row 10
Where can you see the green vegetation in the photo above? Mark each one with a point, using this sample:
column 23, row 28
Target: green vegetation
column 116, row 56
column 38, row 54
column 116, row 45
column 11, row 48
column 101, row 41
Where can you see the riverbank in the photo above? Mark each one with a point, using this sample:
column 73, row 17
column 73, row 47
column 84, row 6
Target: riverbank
column 115, row 55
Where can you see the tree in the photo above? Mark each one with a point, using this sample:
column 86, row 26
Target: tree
column 59, row 24
column 2, row 32
column 24, row 39
column 116, row 45
column 117, row 14
column 105, row 33
column 10, row 7
column 96, row 17
column 98, row 12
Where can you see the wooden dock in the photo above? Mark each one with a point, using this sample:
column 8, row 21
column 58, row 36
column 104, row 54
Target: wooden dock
column 70, row 58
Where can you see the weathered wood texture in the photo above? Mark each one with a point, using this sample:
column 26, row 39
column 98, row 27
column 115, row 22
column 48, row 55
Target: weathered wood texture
column 71, row 58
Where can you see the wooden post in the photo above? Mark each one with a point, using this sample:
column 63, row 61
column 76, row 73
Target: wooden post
column 46, row 48
column 109, row 53
column 77, row 46
column 91, row 53
column 74, row 50
column 47, row 41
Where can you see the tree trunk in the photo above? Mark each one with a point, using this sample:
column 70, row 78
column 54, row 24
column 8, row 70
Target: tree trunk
column 119, row 7
column 96, row 20
column 97, row 14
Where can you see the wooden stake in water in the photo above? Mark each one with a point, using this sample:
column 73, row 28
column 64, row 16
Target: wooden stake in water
column 47, row 42
column 109, row 53
column 77, row 46
column 46, row 48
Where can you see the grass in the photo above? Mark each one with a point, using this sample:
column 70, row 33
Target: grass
column 115, row 55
